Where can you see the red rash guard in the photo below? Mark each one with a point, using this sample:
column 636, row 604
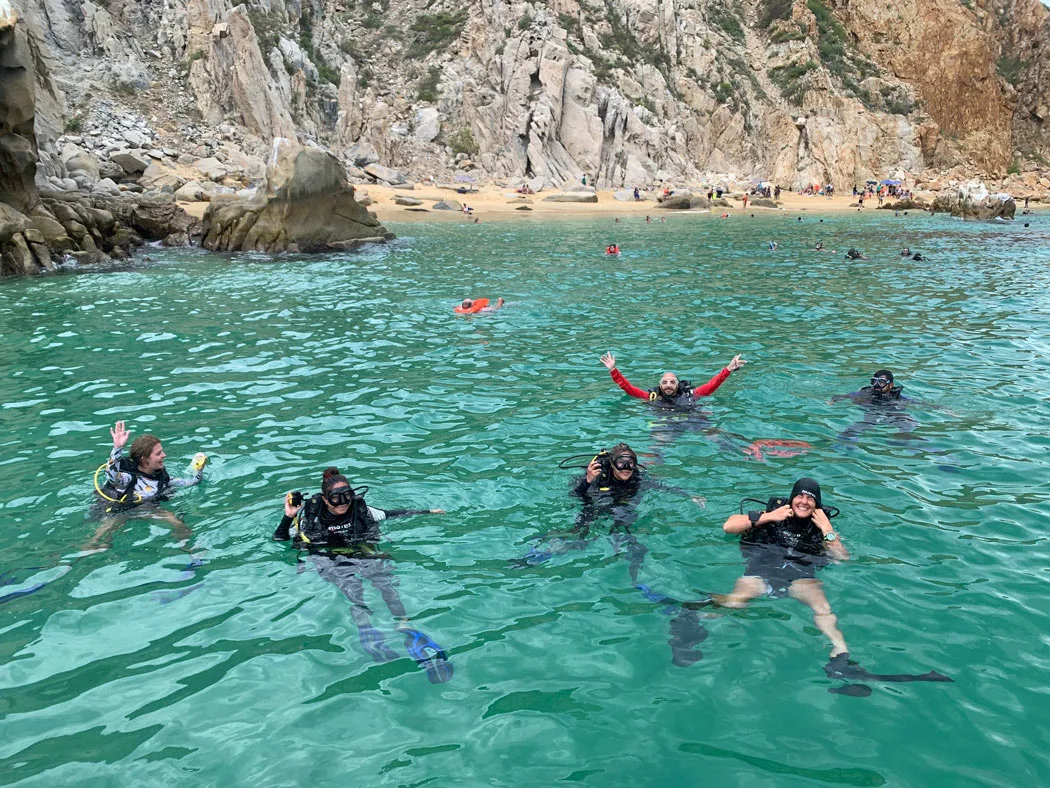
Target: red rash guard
column 705, row 390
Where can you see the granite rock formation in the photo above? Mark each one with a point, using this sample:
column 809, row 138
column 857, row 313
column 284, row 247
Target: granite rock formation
column 307, row 206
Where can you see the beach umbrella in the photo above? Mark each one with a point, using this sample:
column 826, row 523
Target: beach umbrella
column 890, row 182
column 462, row 177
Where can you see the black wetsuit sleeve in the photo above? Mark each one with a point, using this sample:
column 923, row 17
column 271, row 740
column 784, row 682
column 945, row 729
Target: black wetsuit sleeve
column 580, row 488
column 281, row 534
column 392, row 513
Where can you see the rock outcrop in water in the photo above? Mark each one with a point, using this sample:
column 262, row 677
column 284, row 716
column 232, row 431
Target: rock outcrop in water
column 972, row 201
column 307, row 206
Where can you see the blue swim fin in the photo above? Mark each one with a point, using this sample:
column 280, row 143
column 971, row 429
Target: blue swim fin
column 428, row 654
column 670, row 605
column 373, row 642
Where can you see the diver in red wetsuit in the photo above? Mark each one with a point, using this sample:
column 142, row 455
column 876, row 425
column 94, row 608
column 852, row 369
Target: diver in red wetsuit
column 671, row 390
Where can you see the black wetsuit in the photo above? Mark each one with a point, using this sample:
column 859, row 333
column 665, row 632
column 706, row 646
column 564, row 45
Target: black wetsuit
column 344, row 549
column 886, row 409
column 780, row 553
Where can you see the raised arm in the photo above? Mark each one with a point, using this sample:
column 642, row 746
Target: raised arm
column 290, row 511
column 712, row 385
column 609, row 360
column 114, row 477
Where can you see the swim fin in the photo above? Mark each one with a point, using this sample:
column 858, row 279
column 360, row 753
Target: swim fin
column 686, row 633
column 7, row 596
column 669, row 605
column 428, row 654
column 841, row 667
column 373, row 642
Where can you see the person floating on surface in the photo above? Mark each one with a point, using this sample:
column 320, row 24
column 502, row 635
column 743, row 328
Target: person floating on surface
column 341, row 533
column 671, row 391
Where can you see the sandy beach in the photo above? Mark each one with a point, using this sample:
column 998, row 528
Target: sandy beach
column 492, row 203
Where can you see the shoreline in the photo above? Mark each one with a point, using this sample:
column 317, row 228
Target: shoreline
column 492, row 203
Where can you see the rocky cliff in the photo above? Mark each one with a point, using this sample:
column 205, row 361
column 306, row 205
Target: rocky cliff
column 627, row 91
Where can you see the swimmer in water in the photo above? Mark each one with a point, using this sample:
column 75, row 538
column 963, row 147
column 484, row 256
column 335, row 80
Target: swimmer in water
column 471, row 305
column 135, row 484
column 341, row 534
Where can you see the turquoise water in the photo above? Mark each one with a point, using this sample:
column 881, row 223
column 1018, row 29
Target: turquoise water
column 129, row 668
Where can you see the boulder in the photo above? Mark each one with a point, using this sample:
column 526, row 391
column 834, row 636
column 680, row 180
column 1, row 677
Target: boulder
column 763, row 202
column 426, row 124
column 684, row 202
column 362, row 154
column 106, row 186
column 448, row 205
column 574, row 196
column 912, row 204
column 308, row 206
column 191, row 192
column 381, row 173
column 412, row 201
column 157, row 176
column 76, row 159
column 211, row 168
column 131, row 162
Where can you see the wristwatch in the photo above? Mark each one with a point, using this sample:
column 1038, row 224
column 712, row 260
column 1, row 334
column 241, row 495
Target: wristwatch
column 830, row 536
column 753, row 517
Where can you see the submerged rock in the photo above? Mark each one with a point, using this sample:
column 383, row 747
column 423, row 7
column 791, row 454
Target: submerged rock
column 308, row 206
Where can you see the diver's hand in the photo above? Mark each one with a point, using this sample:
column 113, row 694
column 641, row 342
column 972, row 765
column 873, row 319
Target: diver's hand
column 736, row 363
column 822, row 521
column 778, row 515
column 594, row 470
column 290, row 508
column 609, row 360
column 120, row 435
column 437, row 511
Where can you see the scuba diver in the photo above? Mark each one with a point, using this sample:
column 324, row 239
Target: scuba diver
column 671, row 391
column 883, row 404
column 138, row 480
column 340, row 531
column 853, row 254
column 783, row 548
column 612, row 485
column 677, row 400
column 784, row 545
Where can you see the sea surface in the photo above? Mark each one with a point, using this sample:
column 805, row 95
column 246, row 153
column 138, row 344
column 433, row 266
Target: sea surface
column 207, row 654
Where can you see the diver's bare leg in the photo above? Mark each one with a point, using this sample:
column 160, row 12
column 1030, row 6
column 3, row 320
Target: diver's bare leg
column 745, row 589
column 810, row 592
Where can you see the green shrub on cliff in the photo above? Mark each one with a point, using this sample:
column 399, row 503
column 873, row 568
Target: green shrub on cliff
column 427, row 87
column 463, row 141
column 432, row 32
column 792, row 80
column 773, row 10
column 1009, row 68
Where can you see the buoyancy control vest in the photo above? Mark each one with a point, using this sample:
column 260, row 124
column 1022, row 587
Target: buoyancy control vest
column 317, row 527
column 683, row 396
column 126, row 495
